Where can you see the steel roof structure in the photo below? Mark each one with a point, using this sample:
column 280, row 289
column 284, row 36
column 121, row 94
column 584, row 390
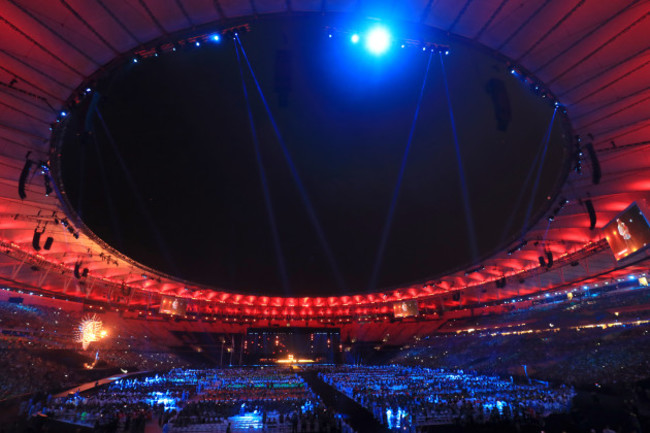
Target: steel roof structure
column 594, row 56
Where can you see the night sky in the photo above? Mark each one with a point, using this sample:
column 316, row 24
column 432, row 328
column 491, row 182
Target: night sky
column 178, row 186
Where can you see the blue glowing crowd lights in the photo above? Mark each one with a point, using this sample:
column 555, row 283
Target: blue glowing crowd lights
column 215, row 38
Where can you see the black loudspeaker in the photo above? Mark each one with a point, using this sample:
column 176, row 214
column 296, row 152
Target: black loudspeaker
column 48, row 243
column 501, row 103
column 22, row 180
column 592, row 214
column 456, row 296
column 542, row 261
column 549, row 259
column 84, row 273
column 595, row 165
column 36, row 240
column 77, row 267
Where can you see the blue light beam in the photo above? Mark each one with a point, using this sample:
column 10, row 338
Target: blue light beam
column 264, row 182
column 398, row 185
column 296, row 177
column 469, row 219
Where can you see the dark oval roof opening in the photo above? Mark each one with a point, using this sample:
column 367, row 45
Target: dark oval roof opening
column 166, row 169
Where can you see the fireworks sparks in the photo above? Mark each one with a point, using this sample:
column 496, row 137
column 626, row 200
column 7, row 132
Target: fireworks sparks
column 94, row 363
column 89, row 330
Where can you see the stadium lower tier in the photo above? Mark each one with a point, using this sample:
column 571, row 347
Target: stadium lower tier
column 287, row 399
column 501, row 371
column 278, row 399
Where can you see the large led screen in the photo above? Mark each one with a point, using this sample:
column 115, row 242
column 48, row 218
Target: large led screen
column 628, row 233
column 293, row 344
column 405, row 309
column 173, row 306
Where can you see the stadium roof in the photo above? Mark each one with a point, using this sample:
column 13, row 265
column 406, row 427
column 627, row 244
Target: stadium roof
column 593, row 56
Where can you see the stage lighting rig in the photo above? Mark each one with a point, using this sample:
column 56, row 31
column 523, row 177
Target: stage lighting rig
column 518, row 247
column 377, row 39
column 528, row 79
column 474, row 270
column 197, row 40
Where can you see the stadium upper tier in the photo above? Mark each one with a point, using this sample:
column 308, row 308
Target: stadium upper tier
column 592, row 58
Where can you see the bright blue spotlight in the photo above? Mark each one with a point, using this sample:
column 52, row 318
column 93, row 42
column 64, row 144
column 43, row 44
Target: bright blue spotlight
column 215, row 38
column 355, row 38
column 63, row 114
column 135, row 60
column 378, row 40
column 197, row 43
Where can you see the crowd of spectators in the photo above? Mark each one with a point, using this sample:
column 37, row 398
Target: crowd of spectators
column 407, row 398
column 24, row 372
column 126, row 404
column 266, row 397
column 547, row 349
column 39, row 351
column 583, row 345
column 216, row 400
